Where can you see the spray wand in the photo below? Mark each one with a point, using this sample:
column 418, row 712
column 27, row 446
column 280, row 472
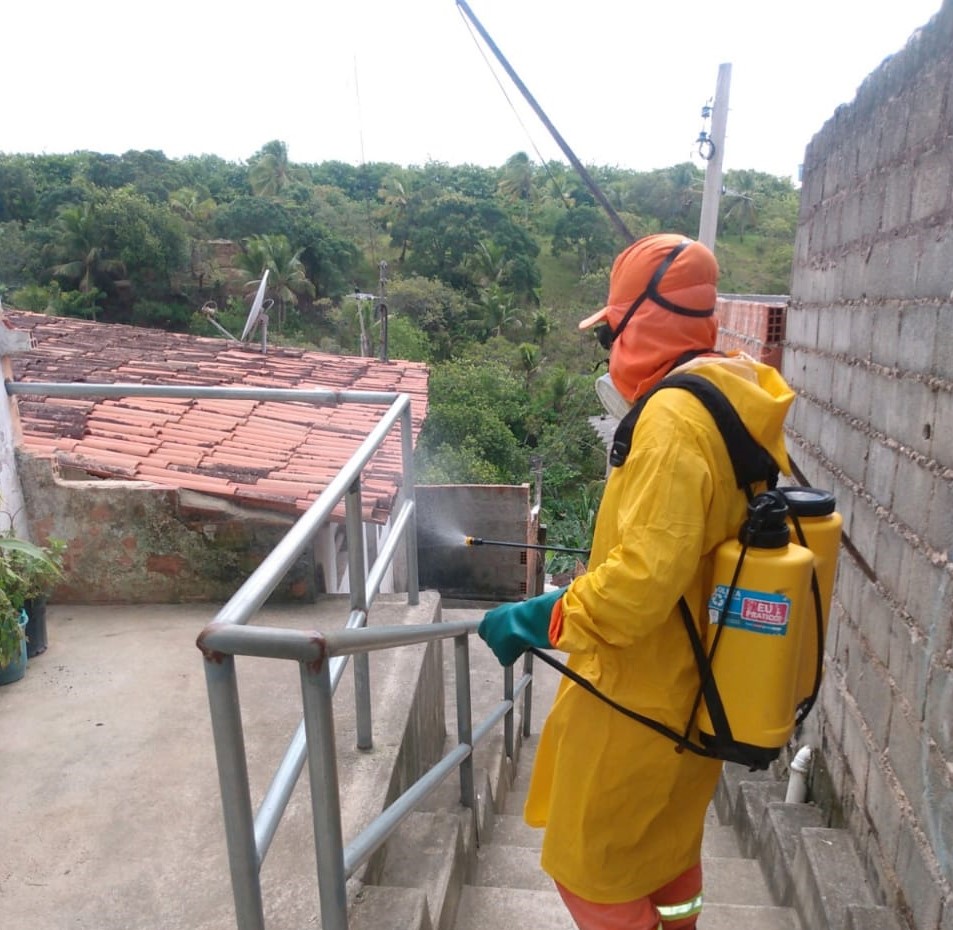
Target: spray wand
column 477, row 541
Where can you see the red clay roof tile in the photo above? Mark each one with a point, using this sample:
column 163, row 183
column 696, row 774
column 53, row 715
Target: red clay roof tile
column 272, row 455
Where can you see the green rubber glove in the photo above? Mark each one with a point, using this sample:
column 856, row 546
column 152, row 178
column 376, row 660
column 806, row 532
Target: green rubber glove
column 510, row 629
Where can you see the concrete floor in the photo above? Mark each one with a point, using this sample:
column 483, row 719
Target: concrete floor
column 110, row 816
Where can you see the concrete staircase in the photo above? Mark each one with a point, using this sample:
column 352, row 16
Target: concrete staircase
column 768, row 865
column 508, row 888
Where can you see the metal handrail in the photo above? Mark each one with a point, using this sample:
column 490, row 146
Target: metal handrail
column 322, row 658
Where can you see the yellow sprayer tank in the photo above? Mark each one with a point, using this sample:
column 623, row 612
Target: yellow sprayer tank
column 821, row 525
column 755, row 663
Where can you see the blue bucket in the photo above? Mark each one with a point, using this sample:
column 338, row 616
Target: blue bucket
column 17, row 668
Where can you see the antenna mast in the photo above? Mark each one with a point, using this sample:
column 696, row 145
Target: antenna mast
column 594, row 188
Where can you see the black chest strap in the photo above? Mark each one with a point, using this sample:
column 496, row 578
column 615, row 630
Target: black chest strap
column 751, row 461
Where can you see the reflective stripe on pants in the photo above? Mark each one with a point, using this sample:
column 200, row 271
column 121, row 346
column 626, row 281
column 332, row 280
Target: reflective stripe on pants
column 675, row 906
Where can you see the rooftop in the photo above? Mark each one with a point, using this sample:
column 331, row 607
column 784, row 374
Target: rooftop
column 274, row 455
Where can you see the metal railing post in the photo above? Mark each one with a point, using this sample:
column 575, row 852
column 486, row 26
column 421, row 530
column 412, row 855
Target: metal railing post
column 528, row 694
column 509, row 737
column 407, row 456
column 229, row 741
column 461, row 658
column 357, row 573
column 316, row 692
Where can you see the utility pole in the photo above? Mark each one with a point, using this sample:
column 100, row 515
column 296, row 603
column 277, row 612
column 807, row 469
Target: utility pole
column 708, row 226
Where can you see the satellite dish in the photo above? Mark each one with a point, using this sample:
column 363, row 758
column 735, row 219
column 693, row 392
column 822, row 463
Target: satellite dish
column 256, row 306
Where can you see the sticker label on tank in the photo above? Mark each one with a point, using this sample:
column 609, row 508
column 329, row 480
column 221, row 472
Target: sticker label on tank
column 756, row 611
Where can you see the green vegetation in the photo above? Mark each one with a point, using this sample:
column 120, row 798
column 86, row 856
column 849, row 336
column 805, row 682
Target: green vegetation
column 485, row 273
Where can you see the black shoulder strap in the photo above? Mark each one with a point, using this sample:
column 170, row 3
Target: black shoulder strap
column 751, row 461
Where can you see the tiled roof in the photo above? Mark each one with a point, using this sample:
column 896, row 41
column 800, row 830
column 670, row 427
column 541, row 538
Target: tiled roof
column 278, row 456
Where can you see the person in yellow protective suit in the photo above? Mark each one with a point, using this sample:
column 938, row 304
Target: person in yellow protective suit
column 623, row 811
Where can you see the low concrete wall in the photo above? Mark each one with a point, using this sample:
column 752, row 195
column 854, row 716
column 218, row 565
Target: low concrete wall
column 130, row 542
column 446, row 514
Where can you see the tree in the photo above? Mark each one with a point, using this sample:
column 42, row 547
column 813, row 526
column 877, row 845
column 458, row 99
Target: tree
column 474, row 411
column 499, row 312
column 518, row 182
column 438, row 311
column 584, row 230
column 271, row 172
column 286, row 274
column 80, row 244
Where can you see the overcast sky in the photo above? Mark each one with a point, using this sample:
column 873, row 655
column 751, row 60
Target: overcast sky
column 407, row 82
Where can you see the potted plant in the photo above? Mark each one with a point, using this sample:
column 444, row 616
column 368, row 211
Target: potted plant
column 27, row 574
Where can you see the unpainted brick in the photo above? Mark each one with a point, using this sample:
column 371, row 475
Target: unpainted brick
column 932, row 279
column 908, row 759
column 917, row 338
column 897, row 196
column 851, row 226
column 850, row 447
column 915, row 864
column 878, row 620
column 863, row 529
column 862, row 332
column 885, row 325
column 902, row 256
column 942, row 365
column 939, row 727
column 912, row 406
column 872, row 206
column 857, row 750
column 889, row 560
column 912, row 491
column 939, row 518
column 870, row 687
column 941, row 440
column 841, row 318
column 880, row 474
column 926, row 111
column 861, row 386
column 928, row 586
column 931, row 185
column 910, row 661
column 883, row 806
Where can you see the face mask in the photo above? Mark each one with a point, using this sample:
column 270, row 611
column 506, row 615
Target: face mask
column 612, row 401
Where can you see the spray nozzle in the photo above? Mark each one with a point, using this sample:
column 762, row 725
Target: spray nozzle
column 472, row 541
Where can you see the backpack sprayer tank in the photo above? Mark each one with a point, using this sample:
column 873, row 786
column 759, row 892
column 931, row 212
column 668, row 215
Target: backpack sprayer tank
column 758, row 610
column 820, row 524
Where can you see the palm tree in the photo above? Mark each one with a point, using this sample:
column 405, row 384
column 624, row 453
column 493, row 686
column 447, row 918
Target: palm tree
column 272, row 172
column 743, row 208
column 530, row 360
column 500, row 313
column 78, row 242
column 286, row 273
column 542, row 327
column 396, row 194
column 488, row 263
column 517, row 182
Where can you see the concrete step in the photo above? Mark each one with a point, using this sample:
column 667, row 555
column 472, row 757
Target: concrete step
column 829, row 877
column 485, row 907
column 428, row 853
column 376, row 907
column 727, row 880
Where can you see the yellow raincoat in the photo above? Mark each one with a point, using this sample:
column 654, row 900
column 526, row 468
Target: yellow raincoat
column 623, row 811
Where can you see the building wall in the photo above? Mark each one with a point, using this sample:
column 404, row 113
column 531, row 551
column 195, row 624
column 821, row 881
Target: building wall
column 130, row 542
column 869, row 350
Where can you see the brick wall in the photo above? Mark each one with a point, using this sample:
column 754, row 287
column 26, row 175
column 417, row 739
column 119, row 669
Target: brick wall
column 755, row 326
column 869, row 349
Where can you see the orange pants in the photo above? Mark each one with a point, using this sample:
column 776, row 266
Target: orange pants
column 674, row 906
